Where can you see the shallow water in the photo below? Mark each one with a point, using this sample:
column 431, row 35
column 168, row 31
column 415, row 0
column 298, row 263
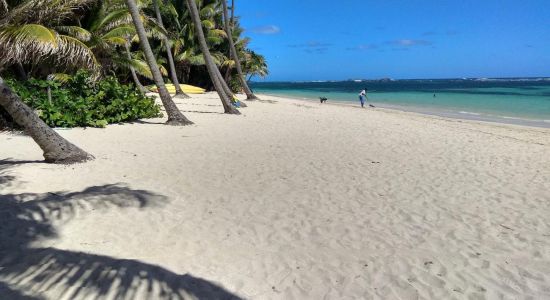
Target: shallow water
column 518, row 101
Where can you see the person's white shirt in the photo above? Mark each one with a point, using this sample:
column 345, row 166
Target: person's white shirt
column 363, row 93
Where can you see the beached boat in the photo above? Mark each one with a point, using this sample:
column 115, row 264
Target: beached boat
column 189, row 89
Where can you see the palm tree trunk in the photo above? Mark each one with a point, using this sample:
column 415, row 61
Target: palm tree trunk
column 227, row 89
column 249, row 94
column 227, row 74
column 213, row 70
column 56, row 149
column 167, row 46
column 175, row 117
column 232, row 14
column 138, row 84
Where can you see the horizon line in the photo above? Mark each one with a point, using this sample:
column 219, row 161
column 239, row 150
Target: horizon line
column 540, row 78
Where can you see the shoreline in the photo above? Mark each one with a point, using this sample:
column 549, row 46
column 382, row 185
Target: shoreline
column 442, row 115
column 460, row 115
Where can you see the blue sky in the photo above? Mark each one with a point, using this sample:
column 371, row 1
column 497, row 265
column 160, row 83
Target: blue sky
column 333, row 40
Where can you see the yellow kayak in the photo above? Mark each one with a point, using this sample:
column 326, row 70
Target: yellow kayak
column 188, row 89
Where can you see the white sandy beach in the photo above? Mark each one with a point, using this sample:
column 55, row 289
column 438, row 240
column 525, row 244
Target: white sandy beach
column 291, row 200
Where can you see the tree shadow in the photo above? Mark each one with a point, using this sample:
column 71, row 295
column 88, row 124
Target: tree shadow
column 148, row 122
column 202, row 112
column 27, row 272
column 209, row 105
column 7, row 293
column 268, row 101
column 11, row 162
column 6, row 179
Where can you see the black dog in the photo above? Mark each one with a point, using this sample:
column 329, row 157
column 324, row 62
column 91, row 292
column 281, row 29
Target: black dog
column 323, row 99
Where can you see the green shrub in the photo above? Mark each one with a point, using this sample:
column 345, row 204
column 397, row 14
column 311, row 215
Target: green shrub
column 83, row 101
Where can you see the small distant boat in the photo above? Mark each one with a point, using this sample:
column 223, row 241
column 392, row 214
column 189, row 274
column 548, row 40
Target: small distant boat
column 358, row 80
column 188, row 89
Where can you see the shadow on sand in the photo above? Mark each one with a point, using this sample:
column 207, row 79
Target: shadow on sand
column 30, row 273
column 203, row 112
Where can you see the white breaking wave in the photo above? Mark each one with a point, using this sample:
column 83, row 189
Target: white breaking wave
column 469, row 113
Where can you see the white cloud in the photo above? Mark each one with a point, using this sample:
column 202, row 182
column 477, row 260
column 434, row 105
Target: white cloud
column 410, row 43
column 363, row 47
column 268, row 29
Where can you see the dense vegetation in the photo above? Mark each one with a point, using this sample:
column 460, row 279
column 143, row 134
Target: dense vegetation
column 123, row 45
column 81, row 100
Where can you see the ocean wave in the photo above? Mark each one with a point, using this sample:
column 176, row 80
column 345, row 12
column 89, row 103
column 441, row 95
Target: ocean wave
column 469, row 113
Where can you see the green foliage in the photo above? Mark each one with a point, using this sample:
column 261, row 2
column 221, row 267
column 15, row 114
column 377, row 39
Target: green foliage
column 84, row 101
column 235, row 84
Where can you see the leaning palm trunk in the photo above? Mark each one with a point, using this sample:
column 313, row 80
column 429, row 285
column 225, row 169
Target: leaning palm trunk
column 56, row 149
column 213, row 70
column 226, row 89
column 138, row 84
column 167, row 45
column 175, row 117
column 233, row 51
column 227, row 76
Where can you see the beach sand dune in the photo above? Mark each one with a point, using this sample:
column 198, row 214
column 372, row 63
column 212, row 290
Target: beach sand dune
column 291, row 200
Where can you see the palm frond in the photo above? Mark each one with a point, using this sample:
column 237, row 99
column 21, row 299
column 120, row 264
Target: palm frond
column 208, row 10
column 218, row 33
column 153, row 28
column 74, row 52
column 185, row 55
column 45, row 12
column 178, row 45
column 34, row 42
column 21, row 43
column 218, row 57
column 59, row 77
column 142, row 68
column 138, row 65
column 197, row 60
column 120, row 32
column 163, row 70
column 208, row 24
column 111, row 20
column 75, row 31
column 214, row 40
column 115, row 40
column 229, row 63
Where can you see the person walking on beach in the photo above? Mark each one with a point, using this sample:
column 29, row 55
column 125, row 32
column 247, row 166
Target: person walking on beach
column 362, row 96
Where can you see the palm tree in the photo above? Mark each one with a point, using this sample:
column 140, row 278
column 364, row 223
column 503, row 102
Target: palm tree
column 255, row 65
column 56, row 149
column 167, row 45
column 233, row 51
column 107, row 30
column 175, row 117
column 213, row 70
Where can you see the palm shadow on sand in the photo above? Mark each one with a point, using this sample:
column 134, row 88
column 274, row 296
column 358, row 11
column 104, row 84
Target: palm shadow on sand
column 27, row 272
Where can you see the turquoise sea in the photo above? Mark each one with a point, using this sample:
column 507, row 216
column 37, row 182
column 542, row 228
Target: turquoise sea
column 523, row 101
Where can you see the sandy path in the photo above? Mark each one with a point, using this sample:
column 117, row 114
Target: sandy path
column 291, row 200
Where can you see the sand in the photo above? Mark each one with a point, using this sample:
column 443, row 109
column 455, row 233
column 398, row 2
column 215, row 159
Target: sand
column 291, row 200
